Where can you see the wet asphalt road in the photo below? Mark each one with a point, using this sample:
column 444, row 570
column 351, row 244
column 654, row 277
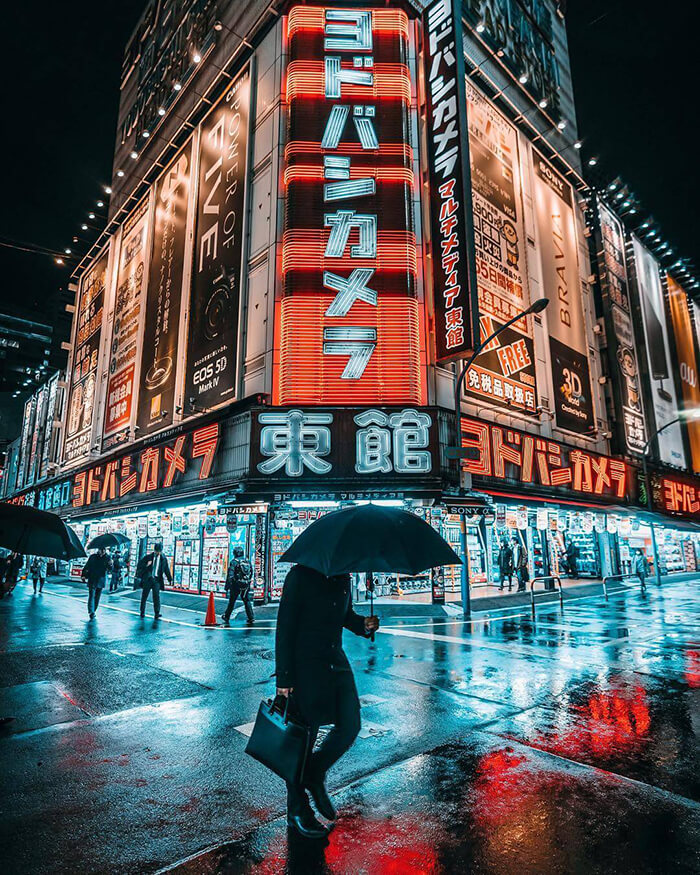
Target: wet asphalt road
column 568, row 744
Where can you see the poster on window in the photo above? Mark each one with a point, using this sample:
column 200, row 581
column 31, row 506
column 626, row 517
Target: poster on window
column 626, row 384
column 568, row 349
column 212, row 344
column 86, row 352
column 129, row 302
column 664, row 404
column 161, row 329
column 504, row 374
column 679, row 307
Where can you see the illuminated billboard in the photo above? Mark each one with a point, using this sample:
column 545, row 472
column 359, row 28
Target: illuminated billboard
column 349, row 323
column 687, row 363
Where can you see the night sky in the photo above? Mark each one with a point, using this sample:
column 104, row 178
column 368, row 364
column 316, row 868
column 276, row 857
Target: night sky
column 635, row 73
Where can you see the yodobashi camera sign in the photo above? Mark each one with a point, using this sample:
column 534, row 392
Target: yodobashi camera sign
column 212, row 346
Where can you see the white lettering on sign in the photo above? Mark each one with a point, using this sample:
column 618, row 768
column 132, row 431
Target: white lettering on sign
column 394, row 442
column 295, row 440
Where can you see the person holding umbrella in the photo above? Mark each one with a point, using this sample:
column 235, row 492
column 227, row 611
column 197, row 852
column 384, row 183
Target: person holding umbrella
column 95, row 573
column 312, row 666
column 315, row 607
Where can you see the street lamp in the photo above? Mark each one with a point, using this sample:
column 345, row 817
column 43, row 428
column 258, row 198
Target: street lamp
column 684, row 416
column 536, row 307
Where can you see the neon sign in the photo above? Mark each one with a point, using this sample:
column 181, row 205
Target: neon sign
column 678, row 496
column 506, row 454
column 349, row 325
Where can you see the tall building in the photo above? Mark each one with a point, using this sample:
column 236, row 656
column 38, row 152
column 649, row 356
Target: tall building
column 317, row 214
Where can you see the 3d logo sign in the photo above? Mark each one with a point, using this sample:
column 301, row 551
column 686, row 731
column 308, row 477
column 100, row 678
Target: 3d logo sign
column 349, row 322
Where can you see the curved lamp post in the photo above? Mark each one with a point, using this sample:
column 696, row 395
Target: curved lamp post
column 536, row 307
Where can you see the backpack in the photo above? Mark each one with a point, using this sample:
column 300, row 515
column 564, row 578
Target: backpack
column 243, row 574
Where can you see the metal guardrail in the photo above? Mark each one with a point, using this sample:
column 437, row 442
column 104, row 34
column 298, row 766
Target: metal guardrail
column 543, row 580
column 612, row 577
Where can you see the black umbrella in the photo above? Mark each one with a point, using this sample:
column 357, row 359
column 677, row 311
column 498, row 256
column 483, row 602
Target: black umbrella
column 370, row 538
column 37, row 533
column 109, row 539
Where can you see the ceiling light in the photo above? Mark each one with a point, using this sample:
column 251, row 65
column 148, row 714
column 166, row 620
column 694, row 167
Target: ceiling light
column 134, row 154
column 177, row 86
column 146, row 134
column 108, row 189
column 522, row 78
column 481, row 27
column 543, row 103
column 120, row 173
column 91, row 215
column 67, row 251
column 561, row 125
column 100, row 203
column 59, row 261
column 196, row 57
column 578, row 144
column 218, row 26
column 592, row 162
column 84, row 227
column 161, row 110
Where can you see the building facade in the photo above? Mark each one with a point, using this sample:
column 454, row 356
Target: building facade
column 317, row 211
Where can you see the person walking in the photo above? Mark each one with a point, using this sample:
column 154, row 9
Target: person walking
column 95, row 573
column 520, row 563
column 312, row 668
column 238, row 581
column 571, row 554
column 38, row 573
column 505, row 564
column 640, row 566
column 151, row 570
column 115, row 579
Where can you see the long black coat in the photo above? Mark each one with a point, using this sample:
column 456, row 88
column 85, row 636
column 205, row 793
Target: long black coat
column 95, row 571
column 313, row 611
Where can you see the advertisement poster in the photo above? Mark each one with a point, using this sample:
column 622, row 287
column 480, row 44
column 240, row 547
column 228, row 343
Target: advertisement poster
column 46, row 457
column 216, row 280
column 126, row 328
column 26, row 441
column 37, row 435
column 448, row 171
column 504, row 374
column 661, row 389
column 687, row 364
column 86, row 352
column 160, row 335
column 556, row 225
column 626, row 383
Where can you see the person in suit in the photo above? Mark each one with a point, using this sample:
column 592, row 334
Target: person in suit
column 505, row 564
column 312, row 668
column 152, row 569
column 94, row 573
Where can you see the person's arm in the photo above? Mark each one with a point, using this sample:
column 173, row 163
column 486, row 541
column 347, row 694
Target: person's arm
column 357, row 624
column 166, row 570
column 86, row 569
column 285, row 636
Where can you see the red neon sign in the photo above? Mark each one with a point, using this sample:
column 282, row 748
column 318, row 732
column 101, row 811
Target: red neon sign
column 508, row 454
column 349, row 326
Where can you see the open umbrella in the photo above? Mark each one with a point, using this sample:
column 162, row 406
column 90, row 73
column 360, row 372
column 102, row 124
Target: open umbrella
column 35, row 532
column 370, row 538
column 109, row 539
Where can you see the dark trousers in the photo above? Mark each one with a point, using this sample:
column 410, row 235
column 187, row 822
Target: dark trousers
column 114, row 581
column 40, row 581
column 233, row 594
column 93, row 599
column 506, row 575
column 334, row 745
column 150, row 585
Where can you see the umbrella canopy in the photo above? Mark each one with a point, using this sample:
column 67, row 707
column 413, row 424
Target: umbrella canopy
column 37, row 533
column 370, row 538
column 109, row 539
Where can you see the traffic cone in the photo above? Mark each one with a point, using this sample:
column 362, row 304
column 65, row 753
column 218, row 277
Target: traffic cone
column 210, row 619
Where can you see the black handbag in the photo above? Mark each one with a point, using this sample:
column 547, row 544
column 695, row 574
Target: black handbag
column 280, row 742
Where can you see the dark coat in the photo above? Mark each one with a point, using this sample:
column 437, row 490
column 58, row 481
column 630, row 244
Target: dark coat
column 95, row 571
column 144, row 569
column 313, row 612
column 505, row 559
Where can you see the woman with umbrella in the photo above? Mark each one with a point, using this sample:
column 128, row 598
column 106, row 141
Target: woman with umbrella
column 315, row 607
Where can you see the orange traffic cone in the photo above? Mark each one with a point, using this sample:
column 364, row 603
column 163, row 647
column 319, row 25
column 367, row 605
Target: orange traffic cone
column 210, row 619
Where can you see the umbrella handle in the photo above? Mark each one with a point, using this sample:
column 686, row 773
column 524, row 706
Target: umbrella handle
column 370, row 587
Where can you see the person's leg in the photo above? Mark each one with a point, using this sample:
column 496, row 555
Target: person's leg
column 34, row 582
column 91, row 601
column 98, row 593
column 248, row 605
column 41, row 584
column 297, row 800
column 156, row 599
column 344, row 732
column 144, row 598
column 232, row 596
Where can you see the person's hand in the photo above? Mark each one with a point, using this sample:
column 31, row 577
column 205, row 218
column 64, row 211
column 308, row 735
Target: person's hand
column 284, row 691
column 371, row 624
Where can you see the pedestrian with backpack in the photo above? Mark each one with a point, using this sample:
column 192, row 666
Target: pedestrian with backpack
column 238, row 582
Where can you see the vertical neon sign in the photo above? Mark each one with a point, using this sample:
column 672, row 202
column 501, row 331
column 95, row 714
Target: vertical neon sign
column 349, row 324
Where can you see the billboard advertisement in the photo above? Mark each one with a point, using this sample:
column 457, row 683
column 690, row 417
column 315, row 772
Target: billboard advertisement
column 664, row 404
column 26, row 441
column 156, row 396
column 349, row 322
column 212, row 343
column 568, row 349
column 504, row 374
column 451, row 221
column 687, row 363
column 52, row 399
column 626, row 382
column 86, row 353
column 126, row 326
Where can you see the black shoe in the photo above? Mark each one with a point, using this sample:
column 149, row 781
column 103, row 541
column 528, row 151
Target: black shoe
column 250, row 622
column 322, row 800
column 225, row 619
column 307, row 825
column 157, row 616
column 143, row 616
column 92, row 616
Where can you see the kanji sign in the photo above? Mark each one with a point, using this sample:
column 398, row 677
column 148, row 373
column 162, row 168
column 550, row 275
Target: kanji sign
column 451, row 226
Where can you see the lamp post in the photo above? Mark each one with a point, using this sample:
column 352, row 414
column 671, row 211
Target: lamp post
column 537, row 307
column 694, row 413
